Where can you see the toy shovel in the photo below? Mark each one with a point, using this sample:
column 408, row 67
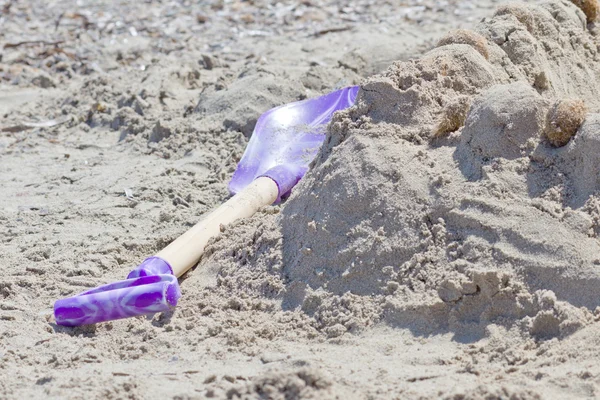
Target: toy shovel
column 284, row 142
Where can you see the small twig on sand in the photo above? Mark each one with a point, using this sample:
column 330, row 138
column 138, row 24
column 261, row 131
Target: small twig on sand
column 57, row 23
column 332, row 30
column 84, row 19
column 29, row 42
column 7, row 6
column 56, row 50
column 30, row 125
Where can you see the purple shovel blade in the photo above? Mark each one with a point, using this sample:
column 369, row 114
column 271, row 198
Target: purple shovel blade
column 287, row 138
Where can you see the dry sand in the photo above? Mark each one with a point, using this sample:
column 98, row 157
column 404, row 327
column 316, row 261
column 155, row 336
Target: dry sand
column 441, row 246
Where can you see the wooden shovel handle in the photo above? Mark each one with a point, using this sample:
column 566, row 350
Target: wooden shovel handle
column 185, row 251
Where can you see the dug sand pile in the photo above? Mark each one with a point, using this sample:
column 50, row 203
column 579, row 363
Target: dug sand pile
column 429, row 229
column 440, row 203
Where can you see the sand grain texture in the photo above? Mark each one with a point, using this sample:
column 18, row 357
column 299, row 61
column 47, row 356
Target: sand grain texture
column 439, row 247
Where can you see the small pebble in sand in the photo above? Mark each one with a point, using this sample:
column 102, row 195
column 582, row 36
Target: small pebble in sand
column 465, row 36
column 101, row 107
column 453, row 116
column 564, row 119
column 589, row 7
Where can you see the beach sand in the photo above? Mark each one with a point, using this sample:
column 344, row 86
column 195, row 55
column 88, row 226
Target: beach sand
column 444, row 243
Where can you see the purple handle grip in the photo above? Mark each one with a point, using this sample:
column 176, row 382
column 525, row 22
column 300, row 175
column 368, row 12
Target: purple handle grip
column 151, row 288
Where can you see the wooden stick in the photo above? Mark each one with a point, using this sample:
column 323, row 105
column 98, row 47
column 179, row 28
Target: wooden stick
column 187, row 249
column 27, row 42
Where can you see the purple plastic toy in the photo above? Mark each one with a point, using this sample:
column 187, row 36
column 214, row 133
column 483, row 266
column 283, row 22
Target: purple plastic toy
column 284, row 142
column 287, row 138
column 150, row 288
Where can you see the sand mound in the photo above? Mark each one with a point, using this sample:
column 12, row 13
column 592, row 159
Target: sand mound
column 489, row 224
column 302, row 384
column 504, row 122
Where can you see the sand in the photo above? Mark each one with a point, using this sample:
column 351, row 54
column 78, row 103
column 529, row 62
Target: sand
column 444, row 243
